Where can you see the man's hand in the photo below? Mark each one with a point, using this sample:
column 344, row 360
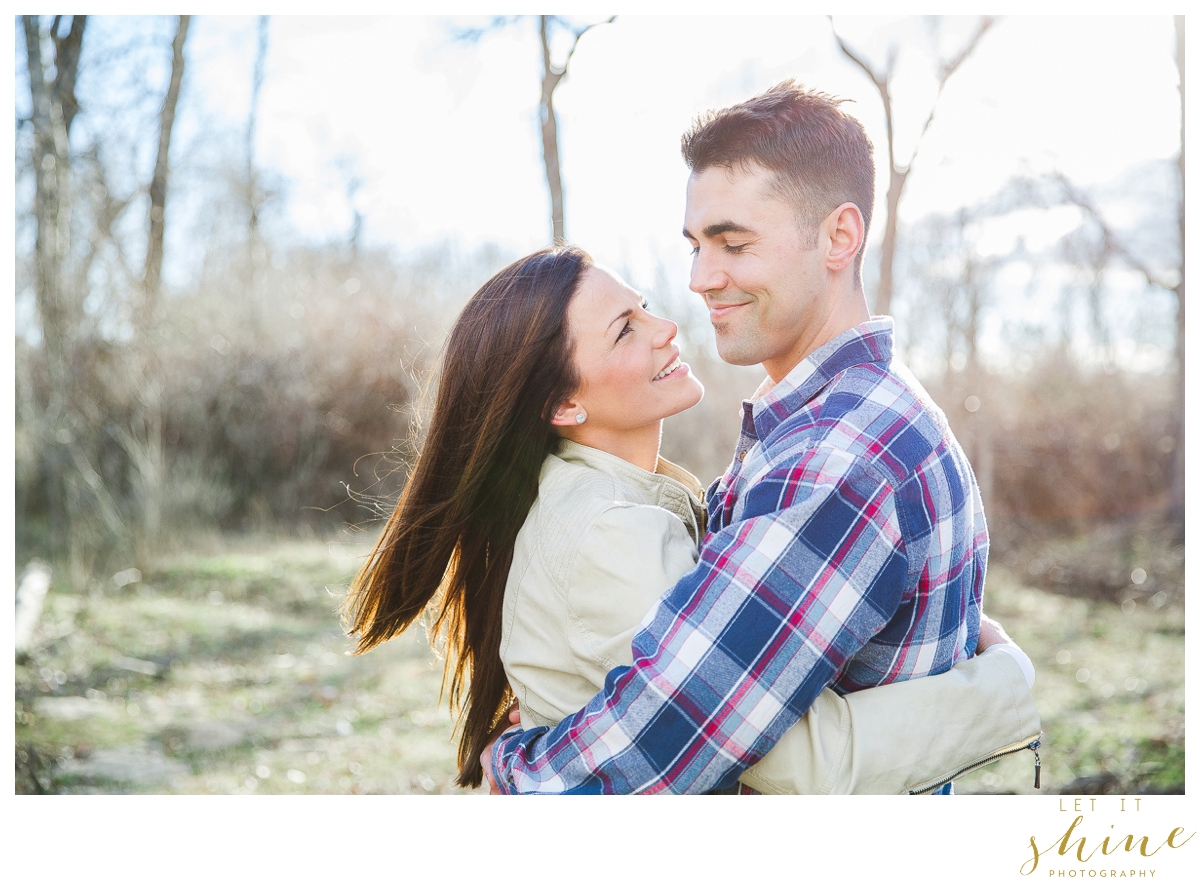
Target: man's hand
column 485, row 758
column 991, row 633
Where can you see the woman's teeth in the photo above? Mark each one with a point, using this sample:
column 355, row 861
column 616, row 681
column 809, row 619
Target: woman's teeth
column 669, row 368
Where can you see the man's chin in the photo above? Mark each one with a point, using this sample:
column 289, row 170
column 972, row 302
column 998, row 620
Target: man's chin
column 738, row 353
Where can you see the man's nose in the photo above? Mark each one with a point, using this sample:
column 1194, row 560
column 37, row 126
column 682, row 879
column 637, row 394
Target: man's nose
column 706, row 273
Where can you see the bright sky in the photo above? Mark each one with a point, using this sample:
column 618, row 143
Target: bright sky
column 444, row 136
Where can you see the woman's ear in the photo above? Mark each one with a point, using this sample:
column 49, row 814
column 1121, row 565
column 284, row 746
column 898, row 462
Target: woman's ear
column 567, row 415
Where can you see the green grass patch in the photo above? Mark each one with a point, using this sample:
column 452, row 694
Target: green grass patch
column 226, row 672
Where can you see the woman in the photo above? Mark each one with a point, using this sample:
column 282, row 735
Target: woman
column 539, row 525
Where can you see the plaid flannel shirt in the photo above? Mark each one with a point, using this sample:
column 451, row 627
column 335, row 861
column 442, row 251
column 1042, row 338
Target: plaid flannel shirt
column 846, row 546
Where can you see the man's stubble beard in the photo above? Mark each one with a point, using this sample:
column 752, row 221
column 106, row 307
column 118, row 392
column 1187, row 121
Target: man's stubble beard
column 739, row 348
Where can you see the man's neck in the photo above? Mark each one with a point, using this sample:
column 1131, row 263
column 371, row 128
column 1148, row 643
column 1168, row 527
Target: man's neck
column 847, row 312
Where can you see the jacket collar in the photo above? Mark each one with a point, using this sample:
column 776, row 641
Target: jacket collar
column 665, row 472
column 869, row 342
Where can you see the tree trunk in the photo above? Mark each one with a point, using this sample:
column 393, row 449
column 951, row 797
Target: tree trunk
column 550, row 81
column 61, row 428
column 1177, row 499
column 887, row 251
column 152, row 280
column 253, row 244
column 143, row 443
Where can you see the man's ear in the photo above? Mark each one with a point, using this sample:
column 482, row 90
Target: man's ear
column 846, row 233
column 566, row 414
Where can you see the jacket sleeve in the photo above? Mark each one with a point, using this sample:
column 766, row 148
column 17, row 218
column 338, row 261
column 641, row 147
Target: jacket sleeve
column 901, row 738
column 630, row 556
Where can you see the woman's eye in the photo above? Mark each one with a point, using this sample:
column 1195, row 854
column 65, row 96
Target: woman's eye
column 628, row 328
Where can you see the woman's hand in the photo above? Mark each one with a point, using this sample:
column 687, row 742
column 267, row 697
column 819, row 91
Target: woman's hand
column 485, row 758
column 991, row 633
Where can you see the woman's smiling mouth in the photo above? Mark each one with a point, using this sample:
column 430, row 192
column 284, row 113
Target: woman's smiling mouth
column 672, row 365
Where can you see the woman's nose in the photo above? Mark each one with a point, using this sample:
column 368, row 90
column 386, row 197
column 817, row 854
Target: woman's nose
column 665, row 332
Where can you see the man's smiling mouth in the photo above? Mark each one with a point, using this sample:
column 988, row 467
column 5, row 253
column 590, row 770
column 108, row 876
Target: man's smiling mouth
column 717, row 310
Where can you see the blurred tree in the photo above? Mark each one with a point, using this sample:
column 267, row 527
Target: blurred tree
column 93, row 404
column 254, row 244
column 152, row 275
column 54, row 110
column 142, row 440
column 71, row 481
column 883, row 78
column 1177, row 500
column 552, row 75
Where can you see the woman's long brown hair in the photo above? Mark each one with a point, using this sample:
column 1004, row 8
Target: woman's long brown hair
column 449, row 543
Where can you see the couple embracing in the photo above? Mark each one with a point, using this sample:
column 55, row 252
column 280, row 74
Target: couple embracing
column 812, row 623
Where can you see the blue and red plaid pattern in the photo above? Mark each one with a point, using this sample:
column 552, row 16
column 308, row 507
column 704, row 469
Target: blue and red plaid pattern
column 846, row 547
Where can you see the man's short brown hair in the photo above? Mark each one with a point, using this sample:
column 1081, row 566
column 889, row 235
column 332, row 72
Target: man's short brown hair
column 821, row 157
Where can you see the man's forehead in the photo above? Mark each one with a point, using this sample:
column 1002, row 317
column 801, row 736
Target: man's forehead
column 720, row 199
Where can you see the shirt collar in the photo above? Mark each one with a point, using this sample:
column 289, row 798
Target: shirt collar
column 869, row 342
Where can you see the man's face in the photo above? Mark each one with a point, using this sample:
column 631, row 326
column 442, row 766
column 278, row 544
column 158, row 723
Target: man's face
column 762, row 276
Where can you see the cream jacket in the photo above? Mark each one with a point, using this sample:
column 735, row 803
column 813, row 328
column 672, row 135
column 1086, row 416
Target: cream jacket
column 605, row 539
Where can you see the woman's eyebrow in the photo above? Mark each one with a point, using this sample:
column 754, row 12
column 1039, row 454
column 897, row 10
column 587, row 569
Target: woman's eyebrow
column 625, row 314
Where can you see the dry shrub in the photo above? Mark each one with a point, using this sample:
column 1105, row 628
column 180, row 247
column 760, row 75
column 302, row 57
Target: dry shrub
column 306, row 392
column 279, row 396
column 1077, row 478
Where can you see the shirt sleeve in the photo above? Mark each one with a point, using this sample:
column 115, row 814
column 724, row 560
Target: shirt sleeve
column 739, row 649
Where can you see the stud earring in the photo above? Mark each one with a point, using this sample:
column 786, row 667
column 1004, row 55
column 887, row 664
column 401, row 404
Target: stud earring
column 581, row 418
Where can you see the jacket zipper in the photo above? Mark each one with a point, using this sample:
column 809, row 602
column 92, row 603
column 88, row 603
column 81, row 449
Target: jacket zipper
column 1037, row 766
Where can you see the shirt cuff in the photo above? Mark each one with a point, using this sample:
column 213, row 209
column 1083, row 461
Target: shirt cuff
column 1020, row 656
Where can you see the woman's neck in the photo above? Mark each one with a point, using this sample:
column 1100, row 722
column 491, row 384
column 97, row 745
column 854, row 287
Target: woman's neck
column 638, row 446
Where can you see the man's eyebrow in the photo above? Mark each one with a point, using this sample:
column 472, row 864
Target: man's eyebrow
column 715, row 229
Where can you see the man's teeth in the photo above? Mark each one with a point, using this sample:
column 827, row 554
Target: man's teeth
column 669, row 368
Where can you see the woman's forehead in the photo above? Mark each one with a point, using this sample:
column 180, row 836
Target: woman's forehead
column 602, row 290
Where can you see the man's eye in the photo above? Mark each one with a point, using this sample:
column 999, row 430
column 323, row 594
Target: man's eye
column 695, row 249
column 735, row 248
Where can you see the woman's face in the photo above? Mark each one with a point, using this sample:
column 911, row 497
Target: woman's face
column 631, row 375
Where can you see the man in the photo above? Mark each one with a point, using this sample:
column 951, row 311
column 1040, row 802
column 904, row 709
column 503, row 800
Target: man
column 846, row 545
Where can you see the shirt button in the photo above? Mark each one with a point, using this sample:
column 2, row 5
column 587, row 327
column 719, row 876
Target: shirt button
column 742, row 455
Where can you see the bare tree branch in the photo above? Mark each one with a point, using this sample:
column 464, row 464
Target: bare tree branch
column 880, row 79
column 948, row 69
column 551, row 77
column 1112, row 244
column 898, row 174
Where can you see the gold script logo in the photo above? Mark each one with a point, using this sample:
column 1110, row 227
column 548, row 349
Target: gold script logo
column 1073, row 844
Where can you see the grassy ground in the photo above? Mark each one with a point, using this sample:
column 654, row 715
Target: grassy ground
column 225, row 672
